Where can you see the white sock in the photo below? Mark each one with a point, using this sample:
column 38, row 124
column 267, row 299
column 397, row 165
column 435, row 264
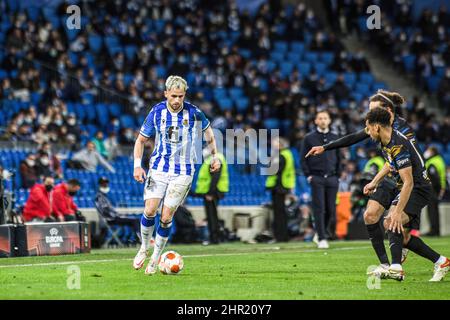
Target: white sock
column 396, row 266
column 441, row 260
column 146, row 235
column 160, row 243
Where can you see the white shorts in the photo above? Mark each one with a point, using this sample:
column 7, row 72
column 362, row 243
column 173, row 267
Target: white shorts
column 172, row 187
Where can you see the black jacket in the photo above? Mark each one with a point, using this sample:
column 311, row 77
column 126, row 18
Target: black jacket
column 328, row 163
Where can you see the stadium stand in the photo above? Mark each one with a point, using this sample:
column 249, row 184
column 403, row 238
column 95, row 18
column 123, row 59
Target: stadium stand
column 265, row 69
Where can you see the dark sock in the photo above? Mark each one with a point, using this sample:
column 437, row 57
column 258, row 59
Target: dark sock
column 396, row 246
column 416, row 245
column 376, row 236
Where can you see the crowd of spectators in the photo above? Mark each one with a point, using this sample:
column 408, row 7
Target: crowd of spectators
column 416, row 44
column 211, row 43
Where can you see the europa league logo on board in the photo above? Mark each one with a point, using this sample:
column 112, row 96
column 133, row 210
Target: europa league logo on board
column 54, row 240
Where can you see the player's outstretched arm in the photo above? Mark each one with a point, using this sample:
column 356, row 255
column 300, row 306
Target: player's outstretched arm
column 211, row 141
column 139, row 173
column 348, row 140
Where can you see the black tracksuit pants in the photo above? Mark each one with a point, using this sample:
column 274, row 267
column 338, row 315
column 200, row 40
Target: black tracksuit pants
column 323, row 193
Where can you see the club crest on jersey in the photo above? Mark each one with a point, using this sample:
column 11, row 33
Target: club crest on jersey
column 185, row 122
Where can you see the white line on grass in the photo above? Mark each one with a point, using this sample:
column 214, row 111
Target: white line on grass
column 185, row 256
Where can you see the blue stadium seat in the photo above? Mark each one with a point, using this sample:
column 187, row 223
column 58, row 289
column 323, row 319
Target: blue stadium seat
column 280, row 46
column 363, row 88
column 126, row 121
column 379, row 85
column 277, row 56
column 330, row 78
column 242, row 104
column 320, row 68
column 433, row 83
column 366, row 77
column 95, row 42
column 350, row 79
column 236, row 92
column 130, row 52
column 272, row 123
column 311, row 57
column 304, row 68
column 286, row 68
column 294, row 57
column 327, row 58
column 220, row 93
column 409, row 62
column 297, row 47
column 225, row 104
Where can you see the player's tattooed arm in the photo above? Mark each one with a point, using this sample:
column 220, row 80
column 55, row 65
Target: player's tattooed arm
column 211, row 143
column 371, row 187
column 396, row 224
column 139, row 173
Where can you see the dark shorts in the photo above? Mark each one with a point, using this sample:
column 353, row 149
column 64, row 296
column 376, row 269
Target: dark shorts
column 385, row 193
column 419, row 199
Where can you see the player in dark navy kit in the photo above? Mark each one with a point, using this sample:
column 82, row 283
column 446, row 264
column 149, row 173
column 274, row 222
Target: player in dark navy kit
column 381, row 199
column 415, row 191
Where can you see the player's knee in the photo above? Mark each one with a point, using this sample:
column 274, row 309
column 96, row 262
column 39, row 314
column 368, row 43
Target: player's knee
column 149, row 212
column 370, row 217
column 166, row 222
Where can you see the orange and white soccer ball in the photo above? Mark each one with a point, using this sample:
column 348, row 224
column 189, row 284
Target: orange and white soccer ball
column 171, row 263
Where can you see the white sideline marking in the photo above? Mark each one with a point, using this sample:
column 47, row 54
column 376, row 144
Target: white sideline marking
column 184, row 256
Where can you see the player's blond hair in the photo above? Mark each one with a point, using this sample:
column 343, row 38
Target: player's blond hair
column 176, row 82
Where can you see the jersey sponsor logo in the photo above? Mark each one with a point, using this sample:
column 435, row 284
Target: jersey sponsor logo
column 173, row 134
column 402, row 162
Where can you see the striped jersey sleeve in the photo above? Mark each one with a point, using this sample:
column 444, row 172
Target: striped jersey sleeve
column 148, row 128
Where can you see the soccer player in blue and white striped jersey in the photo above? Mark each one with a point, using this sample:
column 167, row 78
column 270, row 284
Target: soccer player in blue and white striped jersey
column 177, row 127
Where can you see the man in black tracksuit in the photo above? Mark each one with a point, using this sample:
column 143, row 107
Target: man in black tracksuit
column 323, row 174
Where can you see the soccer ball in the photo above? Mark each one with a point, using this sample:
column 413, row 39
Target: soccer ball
column 171, row 263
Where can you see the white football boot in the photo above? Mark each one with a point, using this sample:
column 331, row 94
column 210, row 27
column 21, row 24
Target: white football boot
column 396, row 273
column 323, row 244
column 381, row 271
column 151, row 267
column 139, row 259
column 440, row 270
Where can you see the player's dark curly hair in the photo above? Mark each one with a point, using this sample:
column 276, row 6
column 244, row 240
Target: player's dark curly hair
column 379, row 116
column 388, row 99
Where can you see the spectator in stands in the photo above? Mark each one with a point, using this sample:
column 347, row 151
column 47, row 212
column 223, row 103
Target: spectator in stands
column 28, row 172
column 38, row 207
column 437, row 173
column 55, row 163
column 43, row 168
column 100, row 144
column 112, row 146
column 109, row 213
column 63, row 205
column 89, row 159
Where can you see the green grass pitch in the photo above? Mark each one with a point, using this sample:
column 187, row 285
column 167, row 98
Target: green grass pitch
column 293, row 270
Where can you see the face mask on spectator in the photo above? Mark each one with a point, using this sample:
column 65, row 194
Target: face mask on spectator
column 30, row 162
column 427, row 154
column 45, row 161
column 104, row 189
column 58, row 122
column 48, row 187
column 72, row 193
column 72, row 121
